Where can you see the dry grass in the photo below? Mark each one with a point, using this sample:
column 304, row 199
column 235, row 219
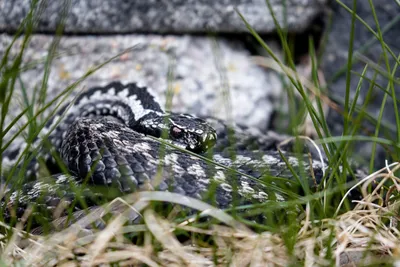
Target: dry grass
column 364, row 234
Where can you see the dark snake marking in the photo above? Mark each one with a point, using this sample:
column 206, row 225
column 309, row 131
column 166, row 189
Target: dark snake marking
column 103, row 141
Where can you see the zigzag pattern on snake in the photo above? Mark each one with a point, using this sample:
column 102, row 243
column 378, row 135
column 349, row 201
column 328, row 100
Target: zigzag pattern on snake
column 108, row 137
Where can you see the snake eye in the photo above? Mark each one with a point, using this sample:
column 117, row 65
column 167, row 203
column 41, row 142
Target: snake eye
column 176, row 133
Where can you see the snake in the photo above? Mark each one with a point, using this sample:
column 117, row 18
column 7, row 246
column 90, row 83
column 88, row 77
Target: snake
column 118, row 138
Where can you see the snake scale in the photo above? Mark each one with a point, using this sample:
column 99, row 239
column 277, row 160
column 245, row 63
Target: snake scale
column 117, row 137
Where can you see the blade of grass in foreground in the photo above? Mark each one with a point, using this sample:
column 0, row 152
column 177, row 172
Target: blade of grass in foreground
column 296, row 82
column 386, row 59
column 370, row 42
column 52, row 51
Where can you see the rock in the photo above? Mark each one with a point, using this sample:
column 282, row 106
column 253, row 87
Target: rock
column 171, row 16
column 335, row 57
column 360, row 258
column 201, row 70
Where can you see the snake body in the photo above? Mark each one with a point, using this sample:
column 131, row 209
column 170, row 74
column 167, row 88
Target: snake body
column 113, row 137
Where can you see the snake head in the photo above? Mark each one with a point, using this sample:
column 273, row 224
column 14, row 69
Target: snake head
column 183, row 130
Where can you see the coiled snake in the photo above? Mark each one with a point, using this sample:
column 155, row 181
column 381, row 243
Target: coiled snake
column 108, row 137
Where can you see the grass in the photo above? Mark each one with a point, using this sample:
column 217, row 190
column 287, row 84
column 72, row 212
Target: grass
column 365, row 229
column 319, row 227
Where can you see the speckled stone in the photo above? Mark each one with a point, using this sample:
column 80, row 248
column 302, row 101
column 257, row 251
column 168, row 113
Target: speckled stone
column 207, row 76
column 172, row 16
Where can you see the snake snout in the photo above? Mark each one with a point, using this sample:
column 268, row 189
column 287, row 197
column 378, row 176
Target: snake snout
column 209, row 140
column 200, row 143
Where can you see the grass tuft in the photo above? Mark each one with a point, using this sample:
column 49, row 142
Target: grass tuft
column 367, row 233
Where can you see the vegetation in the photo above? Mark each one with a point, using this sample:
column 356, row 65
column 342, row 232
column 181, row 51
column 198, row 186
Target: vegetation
column 319, row 227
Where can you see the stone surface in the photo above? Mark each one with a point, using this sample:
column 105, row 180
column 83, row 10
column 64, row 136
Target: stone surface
column 172, row 16
column 335, row 57
column 358, row 258
column 202, row 71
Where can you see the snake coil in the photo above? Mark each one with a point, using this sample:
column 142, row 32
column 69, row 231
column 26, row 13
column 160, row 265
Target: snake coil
column 112, row 137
